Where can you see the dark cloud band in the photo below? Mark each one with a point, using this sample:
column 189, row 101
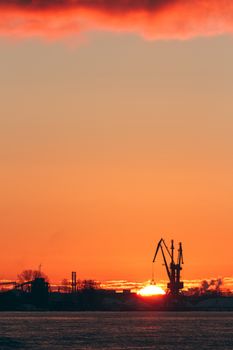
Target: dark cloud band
column 153, row 19
column 110, row 5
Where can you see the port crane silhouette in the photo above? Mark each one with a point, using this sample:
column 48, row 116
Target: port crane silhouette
column 174, row 268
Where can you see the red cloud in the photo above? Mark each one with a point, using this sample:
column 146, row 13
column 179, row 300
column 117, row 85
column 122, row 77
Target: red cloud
column 154, row 19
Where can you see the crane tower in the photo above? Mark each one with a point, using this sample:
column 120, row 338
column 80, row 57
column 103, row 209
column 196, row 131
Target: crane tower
column 173, row 268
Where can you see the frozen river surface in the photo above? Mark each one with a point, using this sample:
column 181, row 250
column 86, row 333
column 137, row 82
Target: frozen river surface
column 116, row 330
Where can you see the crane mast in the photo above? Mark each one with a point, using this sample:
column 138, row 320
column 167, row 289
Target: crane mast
column 173, row 269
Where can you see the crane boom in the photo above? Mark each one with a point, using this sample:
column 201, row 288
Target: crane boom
column 160, row 246
column 165, row 263
column 157, row 249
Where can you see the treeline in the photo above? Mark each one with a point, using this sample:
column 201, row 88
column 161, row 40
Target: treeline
column 213, row 287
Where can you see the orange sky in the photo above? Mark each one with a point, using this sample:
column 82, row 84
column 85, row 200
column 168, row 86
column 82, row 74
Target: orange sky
column 108, row 146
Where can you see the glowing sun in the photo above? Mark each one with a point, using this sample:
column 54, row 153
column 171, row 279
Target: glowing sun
column 151, row 290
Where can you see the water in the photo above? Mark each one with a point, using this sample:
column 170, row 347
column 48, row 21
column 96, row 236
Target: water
column 116, row 330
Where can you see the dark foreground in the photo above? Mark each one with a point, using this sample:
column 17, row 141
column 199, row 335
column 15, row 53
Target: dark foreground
column 105, row 300
column 116, row 330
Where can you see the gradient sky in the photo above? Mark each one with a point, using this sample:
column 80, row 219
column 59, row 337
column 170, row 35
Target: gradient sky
column 110, row 143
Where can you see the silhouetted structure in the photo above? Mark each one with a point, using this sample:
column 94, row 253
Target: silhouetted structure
column 40, row 292
column 74, row 282
column 173, row 269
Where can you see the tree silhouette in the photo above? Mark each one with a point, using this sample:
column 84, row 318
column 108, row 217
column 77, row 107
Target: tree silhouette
column 65, row 285
column 90, row 285
column 30, row 275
